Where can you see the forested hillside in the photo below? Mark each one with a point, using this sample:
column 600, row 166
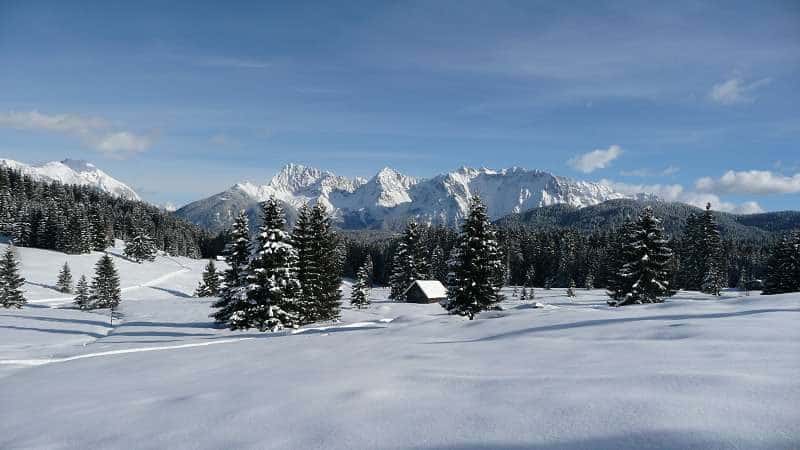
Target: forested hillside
column 78, row 219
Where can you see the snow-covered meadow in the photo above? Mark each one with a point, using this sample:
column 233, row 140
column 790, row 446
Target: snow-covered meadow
column 695, row 372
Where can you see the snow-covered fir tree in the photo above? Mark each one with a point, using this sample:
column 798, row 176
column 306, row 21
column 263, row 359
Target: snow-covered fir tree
column 64, row 282
column 713, row 270
column 530, row 276
column 369, row 267
column 233, row 294
column 82, row 299
column 359, row 296
column 210, row 284
column 619, row 285
column 10, row 281
column 105, row 291
column 524, row 295
column 99, row 230
column 514, row 292
column 712, row 281
column 783, row 268
column 479, row 271
column 272, row 288
column 571, row 289
column 647, row 260
column 319, row 265
column 409, row 263
column 140, row 247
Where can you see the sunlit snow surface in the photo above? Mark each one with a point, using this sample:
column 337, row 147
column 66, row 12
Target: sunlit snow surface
column 695, row 372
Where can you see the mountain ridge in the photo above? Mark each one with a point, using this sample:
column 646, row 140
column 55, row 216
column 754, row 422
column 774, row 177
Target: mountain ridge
column 388, row 199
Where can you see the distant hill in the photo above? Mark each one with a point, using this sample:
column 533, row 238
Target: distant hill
column 612, row 213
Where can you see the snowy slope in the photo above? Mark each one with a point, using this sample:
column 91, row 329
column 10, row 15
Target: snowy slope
column 70, row 171
column 389, row 199
column 695, row 372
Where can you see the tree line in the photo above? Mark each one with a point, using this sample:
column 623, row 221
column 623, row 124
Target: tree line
column 78, row 219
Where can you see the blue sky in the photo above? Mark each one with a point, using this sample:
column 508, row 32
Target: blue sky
column 695, row 101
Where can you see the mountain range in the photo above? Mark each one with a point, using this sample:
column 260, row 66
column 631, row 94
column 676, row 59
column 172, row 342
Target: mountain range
column 389, row 199
column 71, row 171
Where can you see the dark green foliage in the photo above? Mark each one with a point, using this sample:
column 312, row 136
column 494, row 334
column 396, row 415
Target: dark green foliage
column 783, row 270
column 64, row 282
column 319, row 265
column 359, row 296
column 140, row 247
column 10, row 281
column 105, row 291
column 272, row 285
column 410, row 262
column 478, row 275
column 82, row 299
column 210, row 285
column 77, row 219
column 647, row 259
column 237, row 255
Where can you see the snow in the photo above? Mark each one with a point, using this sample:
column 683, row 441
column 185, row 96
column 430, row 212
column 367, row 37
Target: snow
column 695, row 372
column 431, row 288
column 70, row 171
column 390, row 198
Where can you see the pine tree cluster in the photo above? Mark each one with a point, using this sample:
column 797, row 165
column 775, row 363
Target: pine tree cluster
column 285, row 280
column 104, row 291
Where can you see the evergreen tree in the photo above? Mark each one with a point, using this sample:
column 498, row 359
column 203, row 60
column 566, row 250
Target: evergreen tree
column 273, row 287
column 783, row 269
column 548, row 284
column 713, row 271
column 64, row 282
column 10, row 281
column 359, row 296
column 140, row 247
column 319, row 265
column 99, row 230
column 210, row 285
column 524, row 295
column 105, row 291
column 619, row 285
column 369, row 267
column 571, row 289
column 233, row 296
column 409, row 263
column 514, row 292
column 479, row 273
column 648, row 257
column 530, row 276
column 82, row 299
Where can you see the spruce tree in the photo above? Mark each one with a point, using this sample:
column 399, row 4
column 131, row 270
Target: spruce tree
column 524, row 295
column 783, row 268
column 619, row 285
column 438, row 265
column 713, row 270
column 82, row 299
column 530, row 276
column 478, row 276
column 359, row 296
column 571, row 289
column 646, row 267
column 99, row 230
column 105, row 291
column 589, row 281
column 319, row 265
column 210, row 285
column 10, row 281
column 233, row 296
column 140, row 247
column 272, row 287
column 409, row 263
column 64, row 282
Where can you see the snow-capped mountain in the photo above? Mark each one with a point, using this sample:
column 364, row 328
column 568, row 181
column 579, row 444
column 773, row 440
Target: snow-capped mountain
column 71, row 171
column 389, row 199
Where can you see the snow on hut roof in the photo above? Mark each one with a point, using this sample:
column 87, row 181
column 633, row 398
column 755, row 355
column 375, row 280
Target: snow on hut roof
column 431, row 288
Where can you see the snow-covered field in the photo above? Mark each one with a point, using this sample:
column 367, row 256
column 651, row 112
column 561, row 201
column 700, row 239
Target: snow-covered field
column 695, row 372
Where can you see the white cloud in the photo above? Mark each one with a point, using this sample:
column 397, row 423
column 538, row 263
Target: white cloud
column 596, row 159
column 677, row 193
column 642, row 173
column 95, row 132
column 759, row 182
column 735, row 91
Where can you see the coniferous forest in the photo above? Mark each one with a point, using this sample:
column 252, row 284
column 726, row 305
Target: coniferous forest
column 77, row 219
